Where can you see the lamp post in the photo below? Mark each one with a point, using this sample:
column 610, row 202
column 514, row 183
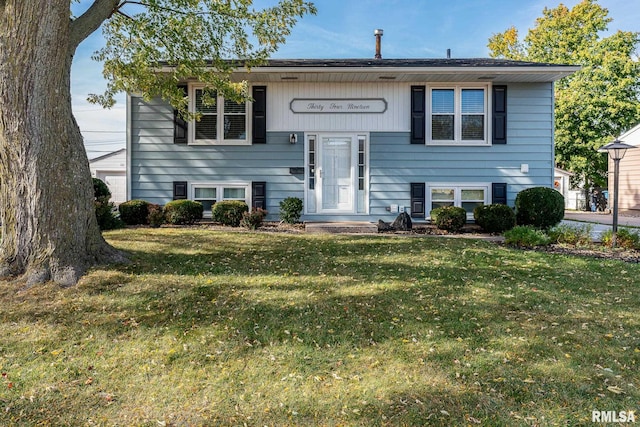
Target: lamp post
column 616, row 150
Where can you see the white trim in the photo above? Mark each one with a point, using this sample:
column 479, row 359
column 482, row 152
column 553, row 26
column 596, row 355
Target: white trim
column 457, row 114
column 191, row 139
column 220, row 186
column 313, row 194
column 457, row 187
column 128, row 146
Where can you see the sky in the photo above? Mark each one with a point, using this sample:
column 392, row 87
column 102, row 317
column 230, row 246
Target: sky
column 344, row 29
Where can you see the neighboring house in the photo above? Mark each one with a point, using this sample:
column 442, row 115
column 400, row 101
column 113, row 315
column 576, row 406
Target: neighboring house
column 629, row 180
column 355, row 139
column 561, row 182
column 112, row 169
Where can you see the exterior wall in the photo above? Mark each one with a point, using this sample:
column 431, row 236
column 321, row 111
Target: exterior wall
column 155, row 162
column 629, row 181
column 112, row 170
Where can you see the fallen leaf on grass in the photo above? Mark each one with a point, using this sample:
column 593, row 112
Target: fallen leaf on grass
column 615, row 389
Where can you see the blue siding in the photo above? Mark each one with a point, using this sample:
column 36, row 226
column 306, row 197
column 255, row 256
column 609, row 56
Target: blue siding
column 394, row 163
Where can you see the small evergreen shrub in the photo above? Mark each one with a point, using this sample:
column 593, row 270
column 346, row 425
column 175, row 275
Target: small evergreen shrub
column 253, row 220
column 183, row 212
column 291, row 210
column 526, row 236
column 134, row 212
column 570, row 234
column 541, row 207
column 625, row 238
column 105, row 216
column 229, row 212
column 156, row 215
column 495, row 218
column 450, row 218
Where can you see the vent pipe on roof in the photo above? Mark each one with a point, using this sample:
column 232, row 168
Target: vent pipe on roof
column 448, row 53
column 378, row 34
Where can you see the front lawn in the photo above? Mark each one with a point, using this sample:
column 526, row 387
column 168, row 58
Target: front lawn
column 237, row 328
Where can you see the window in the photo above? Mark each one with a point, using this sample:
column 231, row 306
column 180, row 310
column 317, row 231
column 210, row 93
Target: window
column 210, row 193
column 466, row 196
column 458, row 115
column 221, row 122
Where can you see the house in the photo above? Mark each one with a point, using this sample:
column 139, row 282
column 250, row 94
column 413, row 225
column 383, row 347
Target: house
column 355, row 139
column 112, row 169
column 629, row 178
column 562, row 183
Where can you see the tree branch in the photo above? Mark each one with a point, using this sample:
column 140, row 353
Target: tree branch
column 88, row 22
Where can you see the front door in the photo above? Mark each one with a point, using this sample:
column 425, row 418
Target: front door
column 335, row 172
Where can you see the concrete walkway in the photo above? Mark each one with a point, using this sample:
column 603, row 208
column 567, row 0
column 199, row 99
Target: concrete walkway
column 601, row 222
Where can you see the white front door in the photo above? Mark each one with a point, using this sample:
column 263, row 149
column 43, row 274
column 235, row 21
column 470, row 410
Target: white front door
column 335, row 170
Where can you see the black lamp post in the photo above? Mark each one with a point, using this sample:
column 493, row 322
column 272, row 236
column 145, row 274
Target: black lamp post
column 616, row 150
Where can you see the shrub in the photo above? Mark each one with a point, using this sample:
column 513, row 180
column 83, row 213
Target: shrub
column 104, row 208
column 541, row 207
column 450, row 218
column 495, row 218
column 156, row 215
column 571, row 234
column 625, row 238
column 526, row 236
column 134, row 212
column 183, row 211
column 291, row 210
column 229, row 212
column 253, row 220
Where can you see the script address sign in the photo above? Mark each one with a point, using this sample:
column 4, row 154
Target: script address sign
column 338, row 105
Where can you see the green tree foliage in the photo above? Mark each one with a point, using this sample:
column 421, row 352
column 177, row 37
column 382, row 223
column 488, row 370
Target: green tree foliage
column 595, row 104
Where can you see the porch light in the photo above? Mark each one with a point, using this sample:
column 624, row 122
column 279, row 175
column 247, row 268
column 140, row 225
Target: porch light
column 616, row 150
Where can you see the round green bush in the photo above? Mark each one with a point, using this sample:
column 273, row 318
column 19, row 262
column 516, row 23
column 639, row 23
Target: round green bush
column 100, row 190
column 291, row 210
column 229, row 212
column 183, row 212
column 495, row 218
column 107, row 220
column 134, row 212
column 540, row 207
column 450, row 218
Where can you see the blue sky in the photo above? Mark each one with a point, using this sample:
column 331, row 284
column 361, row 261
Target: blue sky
column 344, row 29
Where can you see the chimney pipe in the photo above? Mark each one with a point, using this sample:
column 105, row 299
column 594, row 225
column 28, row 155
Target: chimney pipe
column 448, row 53
column 378, row 34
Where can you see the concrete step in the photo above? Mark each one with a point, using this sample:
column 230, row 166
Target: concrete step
column 341, row 227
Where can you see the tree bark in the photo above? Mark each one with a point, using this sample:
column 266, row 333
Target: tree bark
column 49, row 229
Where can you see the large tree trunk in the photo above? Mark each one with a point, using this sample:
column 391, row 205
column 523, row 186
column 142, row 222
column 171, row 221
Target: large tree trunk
column 49, row 228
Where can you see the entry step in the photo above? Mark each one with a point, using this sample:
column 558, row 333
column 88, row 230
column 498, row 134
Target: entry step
column 341, row 227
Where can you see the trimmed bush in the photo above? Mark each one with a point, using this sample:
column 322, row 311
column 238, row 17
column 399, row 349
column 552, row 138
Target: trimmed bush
column 541, row 207
column 183, row 212
column 571, row 234
column 450, row 218
column 104, row 208
column 495, row 218
column 253, row 220
column 625, row 238
column 291, row 210
column 134, row 212
column 156, row 215
column 526, row 236
column 229, row 212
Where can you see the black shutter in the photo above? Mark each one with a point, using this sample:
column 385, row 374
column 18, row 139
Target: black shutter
column 499, row 115
column 258, row 195
column 418, row 115
column 179, row 190
column 180, row 126
column 417, row 200
column 259, row 117
column 499, row 193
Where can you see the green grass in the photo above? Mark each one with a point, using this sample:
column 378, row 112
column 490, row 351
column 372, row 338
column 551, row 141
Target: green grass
column 211, row 328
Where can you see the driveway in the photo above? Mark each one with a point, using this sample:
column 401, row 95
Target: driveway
column 601, row 221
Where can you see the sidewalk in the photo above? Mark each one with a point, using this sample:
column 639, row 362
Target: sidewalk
column 601, row 221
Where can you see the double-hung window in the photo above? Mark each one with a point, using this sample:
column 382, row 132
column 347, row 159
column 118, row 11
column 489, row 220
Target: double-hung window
column 466, row 196
column 221, row 121
column 458, row 115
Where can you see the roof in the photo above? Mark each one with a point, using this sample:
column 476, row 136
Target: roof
column 416, row 70
column 106, row 156
column 632, row 136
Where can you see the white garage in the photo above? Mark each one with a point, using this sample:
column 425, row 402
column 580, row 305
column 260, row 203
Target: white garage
column 111, row 168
